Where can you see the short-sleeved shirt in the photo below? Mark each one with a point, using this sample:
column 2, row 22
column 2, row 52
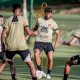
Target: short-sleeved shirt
column 77, row 34
column 45, row 29
column 15, row 38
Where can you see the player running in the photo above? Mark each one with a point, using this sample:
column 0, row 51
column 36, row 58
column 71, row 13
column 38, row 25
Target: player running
column 45, row 27
column 14, row 39
column 75, row 60
column 2, row 55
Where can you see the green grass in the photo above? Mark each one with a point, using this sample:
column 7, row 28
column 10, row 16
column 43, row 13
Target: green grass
column 66, row 23
column 61, row 55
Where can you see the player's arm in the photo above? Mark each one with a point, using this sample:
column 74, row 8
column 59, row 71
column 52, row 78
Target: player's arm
column 71, row 42
column 27, row 29
column 3, row 36
column 36, row 27
column 30, row 32
column 55, row 28
column 57, row 42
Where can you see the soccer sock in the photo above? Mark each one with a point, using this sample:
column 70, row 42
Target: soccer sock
column 13, row 76
column 39, row 68
column 65, row 76
column 48, row 72
column 34, row 78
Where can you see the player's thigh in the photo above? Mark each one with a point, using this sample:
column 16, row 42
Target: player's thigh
column 48, row 48
column 75, row 60
column 25, row 55
column 37, row 48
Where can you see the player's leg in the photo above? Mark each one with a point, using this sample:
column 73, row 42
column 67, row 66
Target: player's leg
column 67, row 70
column 3, row 62
column 37, row 59
column 50, row 61
column 49, row 52
column 26, row 56
column 32, row 70
column 2, row 66
column 75, row 60
column 9, row 56
column 37, row 49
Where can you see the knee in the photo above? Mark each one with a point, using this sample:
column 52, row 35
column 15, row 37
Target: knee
column 50, row 60
column 68, row 63
column 36, row 52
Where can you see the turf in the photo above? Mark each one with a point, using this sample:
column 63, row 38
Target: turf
column 57, row 72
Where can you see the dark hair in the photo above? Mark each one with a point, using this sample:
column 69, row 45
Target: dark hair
column 1, row 16
column 48, row 9
column 16, row 6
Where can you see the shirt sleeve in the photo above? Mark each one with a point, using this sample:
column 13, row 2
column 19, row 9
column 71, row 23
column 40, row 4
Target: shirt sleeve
column 55, row 26
column 77, row 34
column 6, row 25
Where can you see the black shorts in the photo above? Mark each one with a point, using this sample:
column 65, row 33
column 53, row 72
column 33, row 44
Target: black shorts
column 75, row 60
column 25, row 55
column 44, row 46
column 2, row 56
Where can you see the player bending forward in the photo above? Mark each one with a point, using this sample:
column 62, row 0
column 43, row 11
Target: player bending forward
column 45, row 27
column 75, row 60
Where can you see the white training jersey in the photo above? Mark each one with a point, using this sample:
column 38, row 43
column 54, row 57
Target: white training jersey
column 45, row 29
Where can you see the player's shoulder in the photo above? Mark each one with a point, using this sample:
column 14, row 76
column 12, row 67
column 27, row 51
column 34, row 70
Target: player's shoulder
column 40, row 18
column 9, row 19
column 52, row 20
column 22, row 18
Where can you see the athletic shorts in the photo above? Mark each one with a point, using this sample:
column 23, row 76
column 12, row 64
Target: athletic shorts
column 25, row 55
column 75, row 60
column 2, row 56
column 43, row 46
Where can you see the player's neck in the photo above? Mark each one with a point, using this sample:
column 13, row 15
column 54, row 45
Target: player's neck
column 47, row 18
column 15, row 15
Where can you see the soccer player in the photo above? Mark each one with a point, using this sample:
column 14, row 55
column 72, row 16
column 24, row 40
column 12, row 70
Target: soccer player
column 75, row 60
column 14, row 39
column 2, row 55
column 45, row 27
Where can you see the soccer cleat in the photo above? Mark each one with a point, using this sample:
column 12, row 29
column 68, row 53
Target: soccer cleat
column 48, row 76
column 39, row 74
column 43, row 74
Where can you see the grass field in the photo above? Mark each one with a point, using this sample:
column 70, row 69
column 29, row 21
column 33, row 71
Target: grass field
column 66, row 23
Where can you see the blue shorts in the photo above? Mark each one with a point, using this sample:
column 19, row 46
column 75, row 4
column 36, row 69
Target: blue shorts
column 44, row 46
column 25, row 55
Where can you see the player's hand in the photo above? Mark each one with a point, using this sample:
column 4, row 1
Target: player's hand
column 36, row 33
column 64, row 43
column 57, row 45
